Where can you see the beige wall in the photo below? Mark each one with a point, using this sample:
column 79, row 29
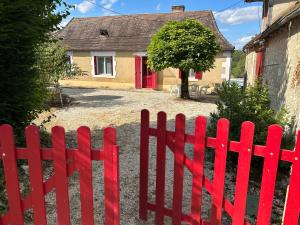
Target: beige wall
column 125, row 72
column 250, row 67
column 170, row 76
column 279, row 8
column 281, row 58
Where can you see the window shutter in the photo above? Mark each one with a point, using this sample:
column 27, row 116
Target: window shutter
column 259, row 62
column 138, row 74
column 199, row 75
column 95, row 65
column 112, row 65
column 180, row 72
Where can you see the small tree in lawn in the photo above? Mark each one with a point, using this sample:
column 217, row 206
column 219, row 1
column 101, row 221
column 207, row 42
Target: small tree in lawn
column 184, row 45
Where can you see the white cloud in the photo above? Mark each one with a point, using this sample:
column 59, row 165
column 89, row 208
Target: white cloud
column 239, row 44
column 158, row 7
column 239, row 15
column 108, row 4
column 86, row 6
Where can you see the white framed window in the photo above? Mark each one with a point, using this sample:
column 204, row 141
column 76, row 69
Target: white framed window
column 104, row 64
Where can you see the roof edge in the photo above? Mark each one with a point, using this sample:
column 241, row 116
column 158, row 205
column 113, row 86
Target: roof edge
column 281, row 21
column 220, row 33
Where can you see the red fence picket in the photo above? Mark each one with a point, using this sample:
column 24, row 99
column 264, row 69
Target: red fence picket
column 245, row 149
column 292, row 207
column 11, row 174
column 36, row 175
column 220, row 169
column 65, row 162
column 160, row 167
column 198, row 169
column 243, row 172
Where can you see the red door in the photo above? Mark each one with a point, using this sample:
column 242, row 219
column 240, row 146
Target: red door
column 144, row 78
column 138, row 75
column 148, row 76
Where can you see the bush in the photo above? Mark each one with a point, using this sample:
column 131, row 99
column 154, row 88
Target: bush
column 253, row 104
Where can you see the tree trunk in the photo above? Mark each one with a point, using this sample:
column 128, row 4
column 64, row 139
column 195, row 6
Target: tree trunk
column 185, row 85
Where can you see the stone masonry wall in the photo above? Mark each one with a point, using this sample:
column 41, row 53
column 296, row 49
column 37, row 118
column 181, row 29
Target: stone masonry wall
column 281, row 60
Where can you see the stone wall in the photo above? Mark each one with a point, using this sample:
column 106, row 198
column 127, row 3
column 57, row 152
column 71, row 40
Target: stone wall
column 250, row 67
column 281, row 59
column 279, row 8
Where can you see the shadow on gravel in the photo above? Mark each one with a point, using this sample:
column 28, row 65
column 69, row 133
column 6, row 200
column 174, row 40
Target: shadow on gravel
column 98, row 101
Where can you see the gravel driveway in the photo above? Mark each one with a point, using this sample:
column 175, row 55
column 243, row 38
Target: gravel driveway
column 97, row 109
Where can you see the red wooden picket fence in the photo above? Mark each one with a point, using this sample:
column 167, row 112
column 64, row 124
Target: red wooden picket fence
column 175, row 141
column 66, row 162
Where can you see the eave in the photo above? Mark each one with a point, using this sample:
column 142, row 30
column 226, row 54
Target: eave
column 275, row 26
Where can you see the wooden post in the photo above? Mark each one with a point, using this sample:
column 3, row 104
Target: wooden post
column 144, row 164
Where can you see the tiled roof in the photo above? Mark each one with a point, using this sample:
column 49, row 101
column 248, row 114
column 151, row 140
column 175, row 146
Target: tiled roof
column 128, row 32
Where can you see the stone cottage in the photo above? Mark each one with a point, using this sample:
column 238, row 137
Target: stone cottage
column 274, row 54
column 112, row 50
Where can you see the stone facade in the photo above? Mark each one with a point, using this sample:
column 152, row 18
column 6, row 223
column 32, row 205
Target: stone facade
column 279, row 8
column 250, row 65
column 280, row 42
column 282, row 55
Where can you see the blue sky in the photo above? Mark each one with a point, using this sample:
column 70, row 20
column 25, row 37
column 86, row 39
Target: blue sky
column 238, row 21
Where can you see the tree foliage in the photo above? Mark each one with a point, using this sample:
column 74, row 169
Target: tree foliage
column 184, row 44
column 238, row 64
column 251, row 105
column 24, row 24
column 53, row 63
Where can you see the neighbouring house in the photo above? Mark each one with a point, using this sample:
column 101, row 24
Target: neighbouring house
column 274, row 54
column 112, row 50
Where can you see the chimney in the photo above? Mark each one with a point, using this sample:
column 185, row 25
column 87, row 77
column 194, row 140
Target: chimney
column 178, row 8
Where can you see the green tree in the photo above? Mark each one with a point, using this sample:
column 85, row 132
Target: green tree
column 54, row 64
column 238, row 64
column 183, row 44
column 24, row 24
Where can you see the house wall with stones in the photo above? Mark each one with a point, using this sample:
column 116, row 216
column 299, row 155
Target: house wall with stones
column 250, row 67
column 282, row 57
column 125, row 72
column 279, row 7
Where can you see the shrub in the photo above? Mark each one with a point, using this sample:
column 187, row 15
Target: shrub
column 253, row 104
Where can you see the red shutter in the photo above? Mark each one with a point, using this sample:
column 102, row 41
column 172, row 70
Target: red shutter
column 112, row 65
column 138, row 75
column 259, row 62
column 199, row 75
column 95, row 65
column 180, row 72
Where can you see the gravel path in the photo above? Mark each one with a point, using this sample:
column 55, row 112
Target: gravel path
column 99, row 108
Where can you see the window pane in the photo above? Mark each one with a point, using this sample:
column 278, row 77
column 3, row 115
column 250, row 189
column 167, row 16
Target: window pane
column 108, row 65
column 100, row 65
column 192, row 73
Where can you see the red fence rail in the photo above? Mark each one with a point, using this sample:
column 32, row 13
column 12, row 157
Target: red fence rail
column 175, row 141
column 66, row 162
